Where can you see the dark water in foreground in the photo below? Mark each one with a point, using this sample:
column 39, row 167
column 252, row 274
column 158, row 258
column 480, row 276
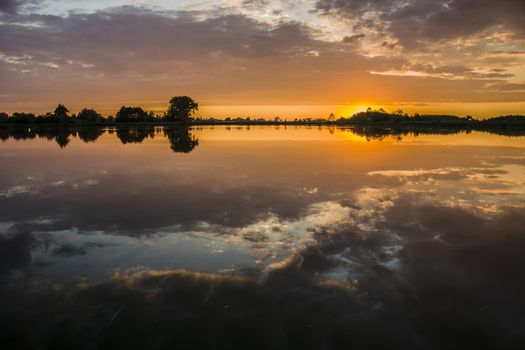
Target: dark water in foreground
column 261, row 238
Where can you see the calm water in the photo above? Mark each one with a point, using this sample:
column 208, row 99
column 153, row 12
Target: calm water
column 260, row 238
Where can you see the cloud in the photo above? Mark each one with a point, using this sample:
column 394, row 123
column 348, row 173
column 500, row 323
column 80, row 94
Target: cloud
column 353, row 7
column 68, row 250
column 412, row 22
column 508, row 87
column 224, row 54
column 13, row 6
column 353, row 39
column 9, row 6
column 219, row 56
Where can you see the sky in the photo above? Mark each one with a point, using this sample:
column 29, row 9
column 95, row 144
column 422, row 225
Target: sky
column 265, row 58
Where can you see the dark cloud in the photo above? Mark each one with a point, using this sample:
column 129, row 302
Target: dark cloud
column 508, row 87
column 68, row 250
column 457, row 18
column 508, row 52
column 353, row 7
column 13, row 6
column 427, row 20
column 353, row 39
column 138, row 34
column 457, row 71
column 9, row 6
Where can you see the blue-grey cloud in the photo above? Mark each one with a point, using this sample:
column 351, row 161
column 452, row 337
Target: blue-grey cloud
column 411, row 22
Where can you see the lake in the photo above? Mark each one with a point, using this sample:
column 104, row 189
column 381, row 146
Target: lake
column 267, row 237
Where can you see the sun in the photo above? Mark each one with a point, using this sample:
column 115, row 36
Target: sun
column 350, row 109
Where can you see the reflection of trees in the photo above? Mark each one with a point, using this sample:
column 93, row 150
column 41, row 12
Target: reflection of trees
column 377, row 133
column 504, row 131
column 180, row 139
column 22, row 133
column 89, row 134
column 135, row 134
column 4, row 133
column 60, row 134
column 62, row 137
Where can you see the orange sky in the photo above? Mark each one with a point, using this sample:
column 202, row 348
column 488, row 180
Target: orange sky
column 265, row 58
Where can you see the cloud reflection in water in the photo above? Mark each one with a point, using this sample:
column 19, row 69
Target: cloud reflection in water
column 410, row 252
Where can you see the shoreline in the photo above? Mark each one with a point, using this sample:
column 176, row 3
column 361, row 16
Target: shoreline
column 474, row 125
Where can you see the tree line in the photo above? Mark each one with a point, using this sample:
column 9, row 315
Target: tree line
column 182, row 108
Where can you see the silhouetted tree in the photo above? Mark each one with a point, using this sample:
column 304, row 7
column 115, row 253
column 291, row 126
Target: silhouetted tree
column 23, row 118
column 181, row 108
column 89, row 115
column 4, row 117
column 131, row 114
column 61, row 114
column 181, row 140
column 61, row 110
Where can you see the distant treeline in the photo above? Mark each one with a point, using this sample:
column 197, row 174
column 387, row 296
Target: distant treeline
column 382, row 117
column 181, row 109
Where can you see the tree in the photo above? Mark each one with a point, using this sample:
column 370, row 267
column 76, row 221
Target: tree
column 131, row 114
column 23, row 118
column 61, row 110
column 181, row 108
column 61, row 114
column 331, row 117
column 89, row 115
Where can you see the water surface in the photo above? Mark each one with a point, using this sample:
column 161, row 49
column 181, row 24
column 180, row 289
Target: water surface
column 260, row 237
